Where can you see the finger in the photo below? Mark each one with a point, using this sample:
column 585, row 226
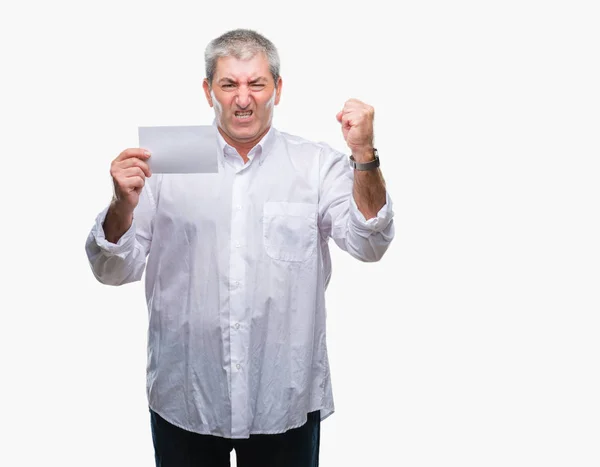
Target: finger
column 350, row 104
column 349, row 109
column 358, row 116
column 133, row 152
column 358, row 106
column 348, row 119
column 133, row 182
column 354, row 102
column 135, row 162
column 133, row 172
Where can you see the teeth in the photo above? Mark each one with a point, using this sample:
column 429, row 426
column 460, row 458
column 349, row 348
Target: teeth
column 243, row 114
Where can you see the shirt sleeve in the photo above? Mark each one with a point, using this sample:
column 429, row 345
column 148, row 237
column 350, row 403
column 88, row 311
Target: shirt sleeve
column 339, row 216
column 123, row 262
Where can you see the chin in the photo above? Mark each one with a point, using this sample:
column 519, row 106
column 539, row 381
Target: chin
column 247, row 132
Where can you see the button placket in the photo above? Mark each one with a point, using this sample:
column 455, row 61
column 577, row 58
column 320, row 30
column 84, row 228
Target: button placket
column 237, row 299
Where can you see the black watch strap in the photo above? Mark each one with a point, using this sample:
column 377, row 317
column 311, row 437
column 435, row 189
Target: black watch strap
column 366, row 165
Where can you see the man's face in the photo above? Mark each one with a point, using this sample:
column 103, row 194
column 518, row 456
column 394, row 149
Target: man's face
column 243, row 95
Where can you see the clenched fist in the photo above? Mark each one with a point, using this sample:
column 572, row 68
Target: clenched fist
column 357, row 127
column 129, row 171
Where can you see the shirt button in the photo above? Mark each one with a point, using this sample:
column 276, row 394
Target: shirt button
column 237, row 325
column 235, row 284
column 238, row 366
column 238, row 244
column 238, row 207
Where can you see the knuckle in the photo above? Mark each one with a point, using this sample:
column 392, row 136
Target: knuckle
column 136, row 164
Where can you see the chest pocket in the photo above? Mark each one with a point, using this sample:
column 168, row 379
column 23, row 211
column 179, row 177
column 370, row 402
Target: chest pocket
column 290, row 230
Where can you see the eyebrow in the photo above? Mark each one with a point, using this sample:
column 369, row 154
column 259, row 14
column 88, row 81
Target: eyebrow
column 253, row 81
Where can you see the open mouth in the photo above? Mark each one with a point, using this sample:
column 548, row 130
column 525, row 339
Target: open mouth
column 246, row 114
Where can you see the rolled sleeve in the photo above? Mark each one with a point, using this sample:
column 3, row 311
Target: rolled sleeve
column 122, row 248
column 124, row 261
column 376, row 224
column 340, row 218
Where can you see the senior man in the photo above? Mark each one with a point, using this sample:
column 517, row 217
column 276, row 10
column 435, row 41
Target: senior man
column 237, row 263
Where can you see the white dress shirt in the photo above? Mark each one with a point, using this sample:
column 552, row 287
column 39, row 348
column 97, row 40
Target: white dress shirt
column 237, row 266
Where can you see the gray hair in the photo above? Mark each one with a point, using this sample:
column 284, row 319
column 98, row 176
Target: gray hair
column 242, row 44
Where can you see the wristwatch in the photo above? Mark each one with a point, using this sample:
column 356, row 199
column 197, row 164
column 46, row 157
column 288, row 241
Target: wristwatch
column 366, row 165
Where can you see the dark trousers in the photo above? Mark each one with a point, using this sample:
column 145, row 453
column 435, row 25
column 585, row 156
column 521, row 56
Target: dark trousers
column 175, row 447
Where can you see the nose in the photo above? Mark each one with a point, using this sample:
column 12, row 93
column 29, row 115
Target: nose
column 243, row 97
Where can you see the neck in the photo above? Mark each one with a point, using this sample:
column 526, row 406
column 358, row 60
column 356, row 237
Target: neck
column 243, row 147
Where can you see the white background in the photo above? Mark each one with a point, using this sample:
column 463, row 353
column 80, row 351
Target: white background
column 474, row 342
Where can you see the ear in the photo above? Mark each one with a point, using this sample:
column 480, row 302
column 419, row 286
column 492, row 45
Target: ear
column 279, row 86
column 206, row 87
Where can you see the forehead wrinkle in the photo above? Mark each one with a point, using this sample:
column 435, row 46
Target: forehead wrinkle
column 235, row 69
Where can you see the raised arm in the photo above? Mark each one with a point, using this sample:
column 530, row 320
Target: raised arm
column 354, row 206
column 356, row 119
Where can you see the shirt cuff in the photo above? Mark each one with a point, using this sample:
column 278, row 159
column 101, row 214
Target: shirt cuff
column 375, row 224
column 125, row 244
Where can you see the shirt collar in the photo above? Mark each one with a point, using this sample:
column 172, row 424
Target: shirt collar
column 261, row 149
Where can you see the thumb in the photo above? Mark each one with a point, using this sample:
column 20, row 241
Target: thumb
column 339, row 116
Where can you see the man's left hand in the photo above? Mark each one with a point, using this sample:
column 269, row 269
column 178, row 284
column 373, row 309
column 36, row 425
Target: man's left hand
column 357, row 126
